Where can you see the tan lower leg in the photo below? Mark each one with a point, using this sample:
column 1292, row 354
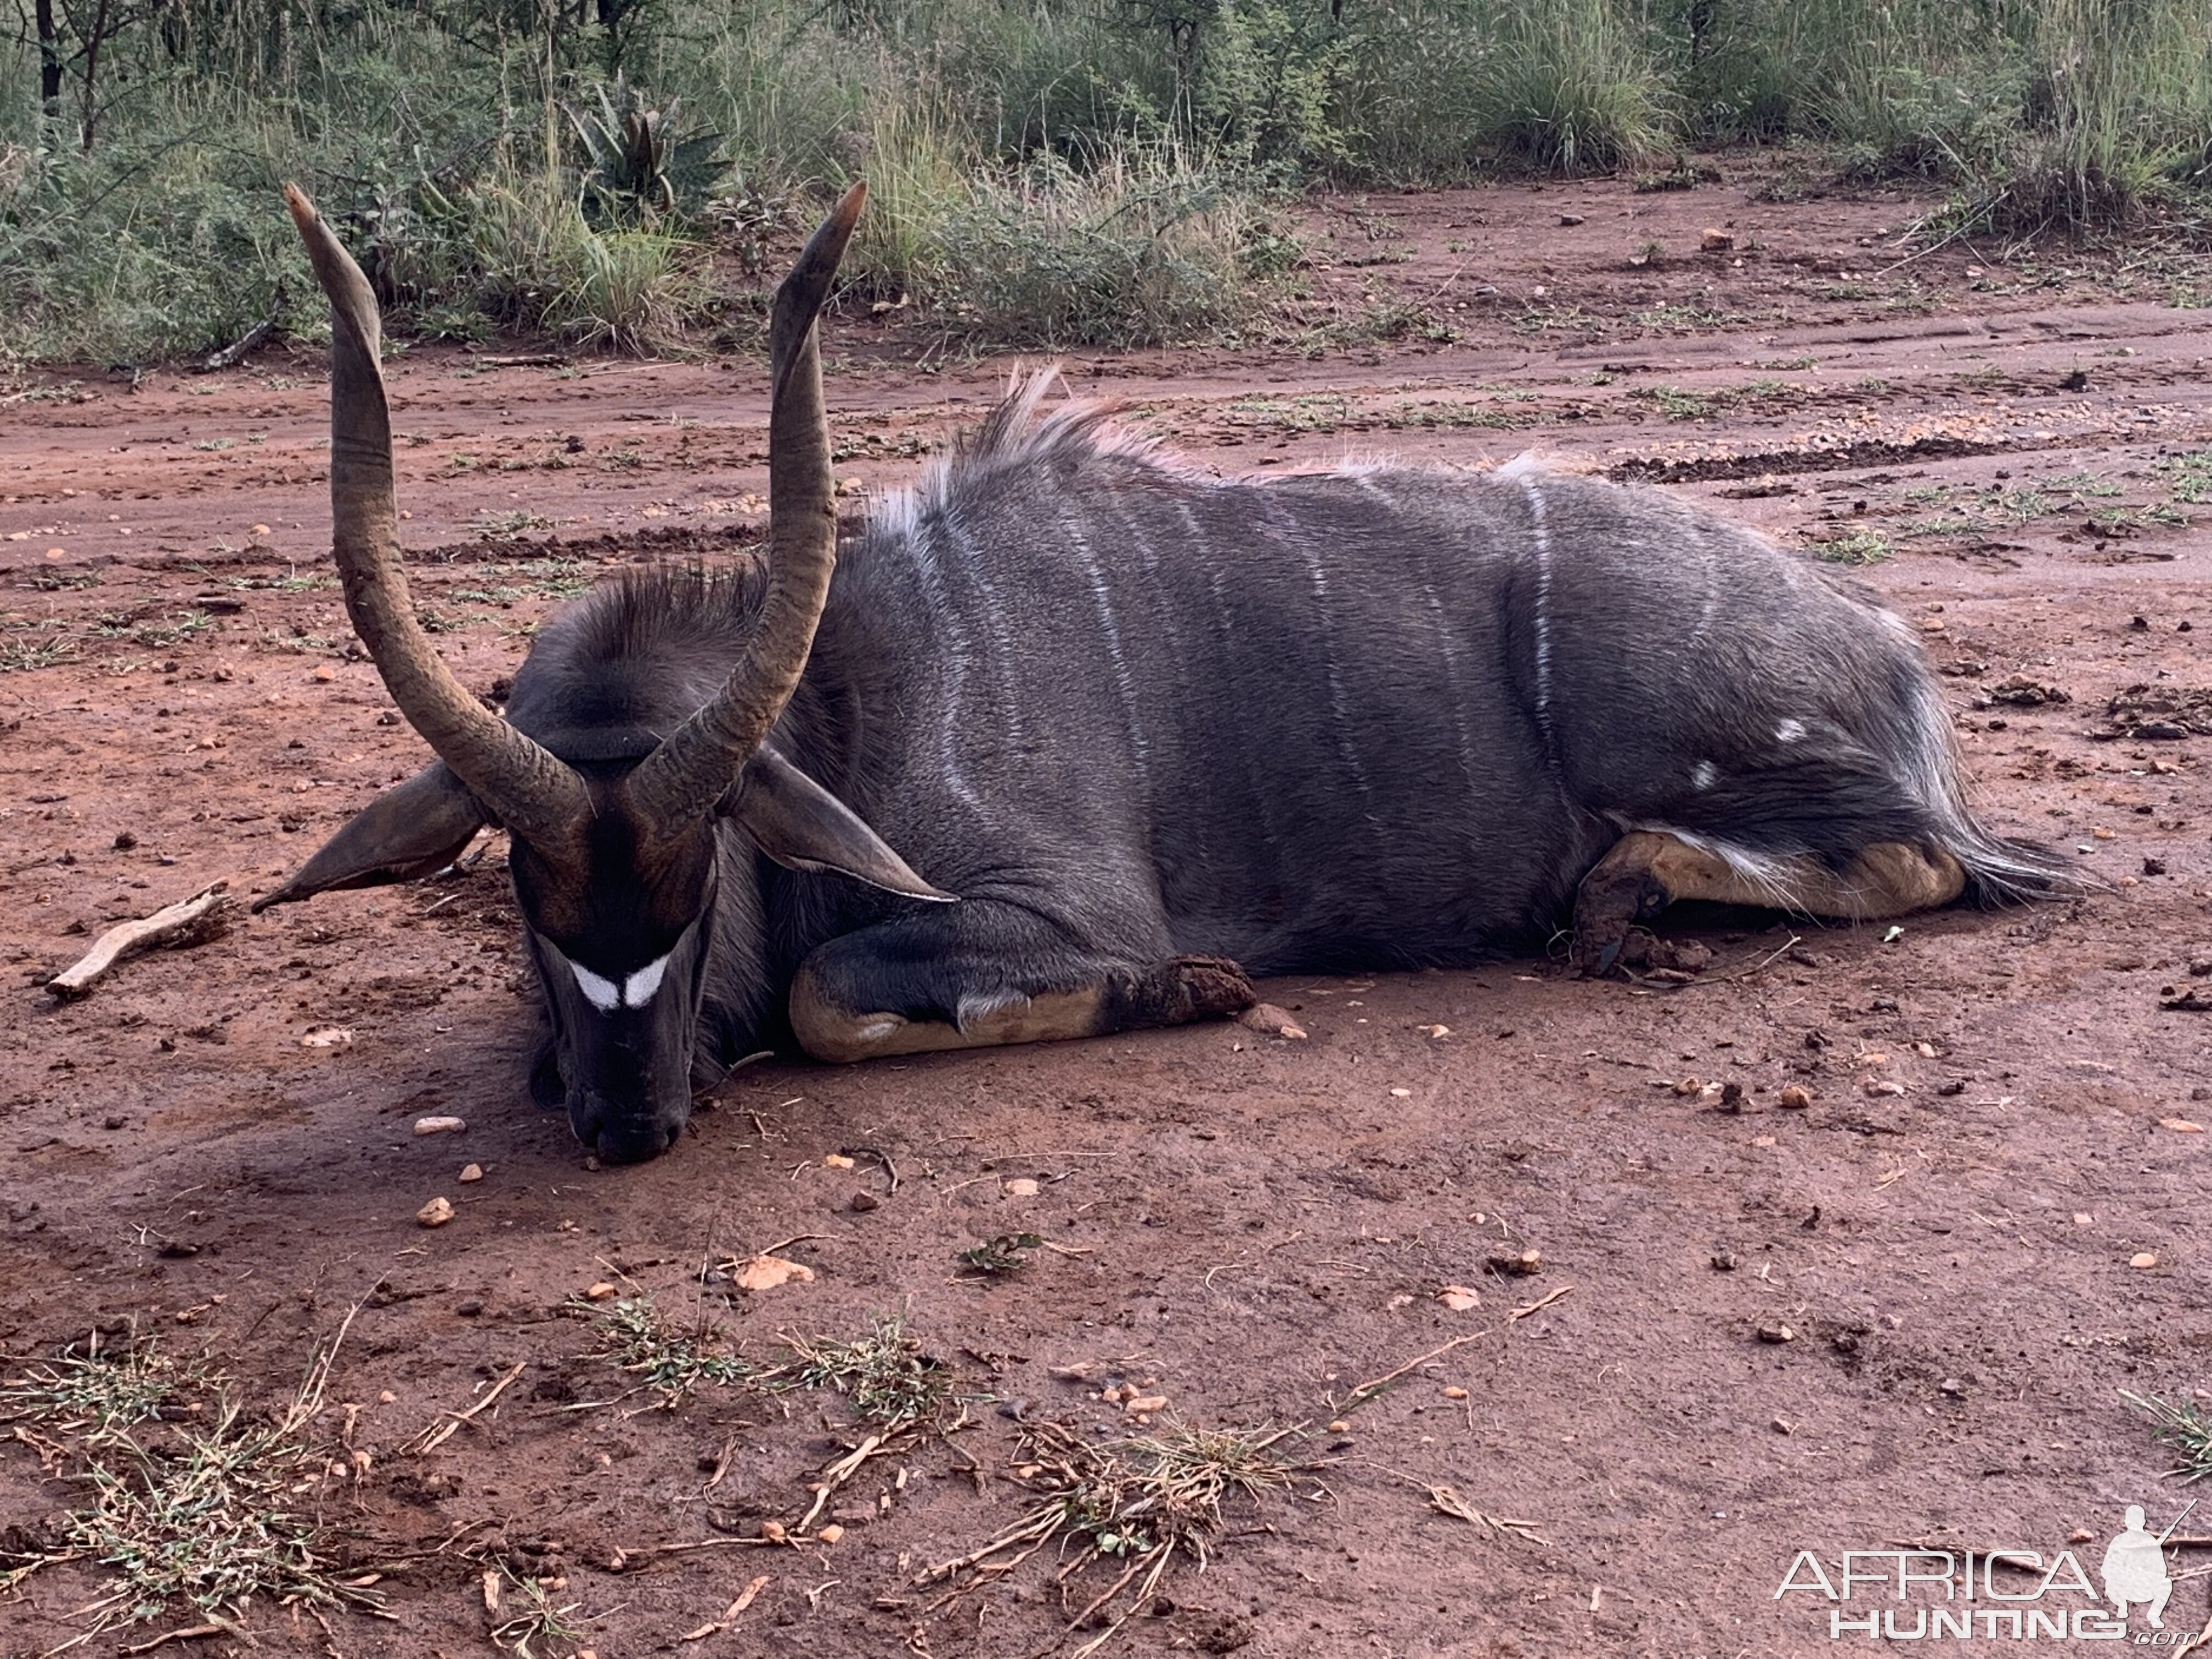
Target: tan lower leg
column 1647, row 870
column 1887, row 879
column 832, row 1034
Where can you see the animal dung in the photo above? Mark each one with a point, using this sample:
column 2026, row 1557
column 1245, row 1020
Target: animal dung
column 439, row 1126
column 1794, row 1097
column 436, row 1213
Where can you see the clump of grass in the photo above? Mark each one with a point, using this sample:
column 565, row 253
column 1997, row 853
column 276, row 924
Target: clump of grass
column 1002, row 1256
column 1135, row 1504
column 635, row 1336
column 888, row 1379
column 535, row 1620
column 1573, row 88
column 207, row 1516
column 1855, row 547
column 2186, row 1427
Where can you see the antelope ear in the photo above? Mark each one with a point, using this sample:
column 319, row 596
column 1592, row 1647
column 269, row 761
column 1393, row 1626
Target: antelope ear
column 802, row 826
column 412, row 830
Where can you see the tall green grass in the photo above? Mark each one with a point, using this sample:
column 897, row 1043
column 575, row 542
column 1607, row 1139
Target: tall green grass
column 1046, row 171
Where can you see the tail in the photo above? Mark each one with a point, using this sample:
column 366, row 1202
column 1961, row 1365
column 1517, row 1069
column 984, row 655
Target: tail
column 1999, row 869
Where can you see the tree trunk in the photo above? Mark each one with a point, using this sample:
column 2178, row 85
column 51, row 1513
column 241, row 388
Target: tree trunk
column 49, row 62
column 92, row 45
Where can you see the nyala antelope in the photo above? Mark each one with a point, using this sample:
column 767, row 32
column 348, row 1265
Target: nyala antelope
column 1071, row 737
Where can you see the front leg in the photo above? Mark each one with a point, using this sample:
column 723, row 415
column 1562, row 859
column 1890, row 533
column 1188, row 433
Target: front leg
column 986, row 973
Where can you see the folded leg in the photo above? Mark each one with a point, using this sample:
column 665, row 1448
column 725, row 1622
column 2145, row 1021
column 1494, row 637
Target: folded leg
column 986, row 972
column 1647, row 871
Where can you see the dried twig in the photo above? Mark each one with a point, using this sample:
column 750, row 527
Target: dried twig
column 1540, row 1302
column 190, row 1633
column 438, row 1433
column 188, row 921
column 1366, row 1391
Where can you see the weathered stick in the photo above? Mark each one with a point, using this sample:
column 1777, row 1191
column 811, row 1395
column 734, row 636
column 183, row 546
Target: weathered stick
column 188, row 921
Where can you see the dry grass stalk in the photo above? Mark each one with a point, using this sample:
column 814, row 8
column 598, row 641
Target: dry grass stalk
column 1138, row 1504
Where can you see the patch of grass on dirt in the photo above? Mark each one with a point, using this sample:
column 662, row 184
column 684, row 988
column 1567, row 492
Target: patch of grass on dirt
column 637, row 1337
column 2186, row 1427
column 53, row 581
column 1855, row 547
column 203, row 1511
column 884, row 1373
column 2188, row 476
column 535, row 1623
column 28, row 645
column 1676, row 403
column 515, row 523
column 1127, row 1508
column 1000, row 1257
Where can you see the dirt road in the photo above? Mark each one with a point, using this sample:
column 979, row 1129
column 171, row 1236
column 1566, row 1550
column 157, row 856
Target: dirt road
column 1989, row 1223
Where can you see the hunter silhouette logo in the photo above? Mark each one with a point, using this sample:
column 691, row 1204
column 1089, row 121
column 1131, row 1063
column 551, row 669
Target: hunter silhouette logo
column 1998, row 1594
column 2135, row 1567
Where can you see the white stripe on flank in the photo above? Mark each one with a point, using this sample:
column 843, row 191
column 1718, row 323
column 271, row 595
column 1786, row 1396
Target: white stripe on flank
column 1325, row 615
column 1124, row 681
column 998, row 638
column 954, row 658
column 1543, row 617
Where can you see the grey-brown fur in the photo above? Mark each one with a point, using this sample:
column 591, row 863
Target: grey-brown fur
column 1375, row 718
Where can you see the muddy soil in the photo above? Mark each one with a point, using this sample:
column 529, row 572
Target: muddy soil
column 1989, row 1223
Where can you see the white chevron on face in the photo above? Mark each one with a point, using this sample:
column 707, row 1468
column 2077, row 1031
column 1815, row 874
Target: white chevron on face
column 606, row 995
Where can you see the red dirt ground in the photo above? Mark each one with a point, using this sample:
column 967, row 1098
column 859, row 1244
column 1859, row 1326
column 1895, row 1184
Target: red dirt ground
column 2004, row 1115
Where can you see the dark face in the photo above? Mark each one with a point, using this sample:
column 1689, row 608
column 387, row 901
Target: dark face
column 622, row 957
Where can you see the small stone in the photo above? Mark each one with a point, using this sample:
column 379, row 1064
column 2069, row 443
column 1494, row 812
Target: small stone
column 1454, row 1392
column 385, row 1397
column 1784, row 1425
column 1777, row 1333
column 1794, row 1097
column 2181, row 1125
column 469, row 1309
column 1571, row 218
column 1401, row 1094
column 603, row 1291
column 1022, row 1187
column 326, row 1037
column 861, row 1203
column 1149, row 1402
column 470, row 1174
column 1460, row 1297
column 438, row 1125
column 1723, row 1261
column 830, row 1533
column 835, row 1161
column 436, row 1213
column 1688, row 1086
column 1274, row 1022
column 1340, row 1426
column 2142, row 1259
column 773, row 1531
column 1523, row 1264
column 1715, row 241
column 1953, row 1387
